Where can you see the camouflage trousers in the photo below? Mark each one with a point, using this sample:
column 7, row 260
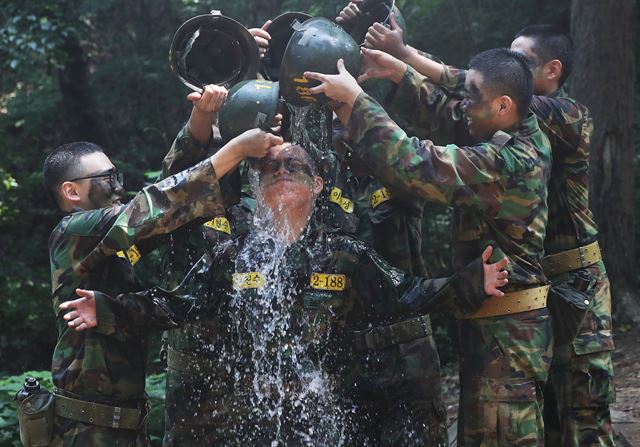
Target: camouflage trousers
column 196, row 408
column 504, row 363
column 69, row 433
column 398, row 395
column 580, row 386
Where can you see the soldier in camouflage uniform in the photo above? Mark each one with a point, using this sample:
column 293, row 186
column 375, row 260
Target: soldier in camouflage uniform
column 366, row 292
column 391, row 223
column 580, row 388
column 99, row 373
column 498, row 190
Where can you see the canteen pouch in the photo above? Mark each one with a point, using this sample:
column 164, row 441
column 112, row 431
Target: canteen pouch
column 568, row 305
column 35, row 415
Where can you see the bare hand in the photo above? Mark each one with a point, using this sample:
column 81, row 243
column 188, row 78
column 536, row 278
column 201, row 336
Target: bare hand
column 277, row 123
column 380, row 65
column 210, row 100
column 83, row 315
column 494, row 274
column 388, row 40
column 262, row 37
column 349, row 13
column 341, row 87
column 256, row 142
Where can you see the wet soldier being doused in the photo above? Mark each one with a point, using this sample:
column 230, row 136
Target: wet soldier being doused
column 288, row 294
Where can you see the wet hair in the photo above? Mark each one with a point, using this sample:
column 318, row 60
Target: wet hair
column 64, row 164
column 550, row 42
column 506, row 72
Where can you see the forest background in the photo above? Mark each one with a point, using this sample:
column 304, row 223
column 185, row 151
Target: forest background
column 98, row 70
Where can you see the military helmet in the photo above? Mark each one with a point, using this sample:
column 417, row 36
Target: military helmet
column 374, row 11
column 249, row 105
column 213, row 49
column 316, row 45
column 281, row 31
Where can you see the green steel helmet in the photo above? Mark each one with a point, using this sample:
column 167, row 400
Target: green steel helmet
column 249, row 105
column 281, row 31
column 213, row 49
column 316, row 45
column 374, row 11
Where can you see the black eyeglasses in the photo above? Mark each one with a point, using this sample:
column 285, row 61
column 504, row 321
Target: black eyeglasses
column 293, row 165
column 115, row 177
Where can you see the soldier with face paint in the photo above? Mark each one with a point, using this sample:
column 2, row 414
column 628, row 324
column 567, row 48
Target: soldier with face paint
column 580, row 388
column 498, row 190
column 99, row 366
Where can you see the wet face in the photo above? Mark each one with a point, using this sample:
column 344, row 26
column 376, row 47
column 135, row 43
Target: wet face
column 480, row 108
column 97, row 192
column 287, row 178
column 525, row 46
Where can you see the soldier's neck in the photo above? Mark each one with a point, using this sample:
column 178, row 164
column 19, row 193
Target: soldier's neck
column 290, row 221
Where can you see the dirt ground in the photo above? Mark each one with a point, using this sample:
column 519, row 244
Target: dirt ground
column 625, row 411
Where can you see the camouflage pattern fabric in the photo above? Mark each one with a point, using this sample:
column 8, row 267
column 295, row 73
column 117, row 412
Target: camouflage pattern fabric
column 401, row 383
column 498, row 190
column 107, row 364
column 194, row 412
column 581, row 373
column 372, row 292
column 580, row 387
column 504, row 362
column 572, row 417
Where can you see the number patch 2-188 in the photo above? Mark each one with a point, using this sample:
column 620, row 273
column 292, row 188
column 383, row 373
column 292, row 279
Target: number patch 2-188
column 328, row 281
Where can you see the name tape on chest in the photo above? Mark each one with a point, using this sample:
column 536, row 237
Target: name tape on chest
column 336, row 197
column 380, row 195
column 132, row 254
column 328, row 281
column 219, row 223
column 249, row 280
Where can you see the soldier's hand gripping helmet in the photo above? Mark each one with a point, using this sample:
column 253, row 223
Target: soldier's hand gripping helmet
column 373, row 11
column 249, row 105
column 213, row 49
column 281, row 31
column 316, row 45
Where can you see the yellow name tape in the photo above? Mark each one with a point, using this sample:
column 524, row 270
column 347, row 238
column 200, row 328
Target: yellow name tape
column 132, row 254
column 380, row 195
column 328, row 281
column 336, row 197
column 249, row 280
column 219, row 223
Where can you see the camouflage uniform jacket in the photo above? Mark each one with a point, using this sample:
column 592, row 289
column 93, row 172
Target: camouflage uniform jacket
column 498, row 188
column 568, row 125
column 107, row 363
column 367, row 290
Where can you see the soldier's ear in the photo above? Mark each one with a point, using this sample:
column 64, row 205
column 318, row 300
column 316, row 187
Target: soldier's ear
column 553, row 70
column 505, row 105
column 69, row 192
column 318, row 184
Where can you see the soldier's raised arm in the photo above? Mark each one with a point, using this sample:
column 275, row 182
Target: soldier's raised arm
column 461, row 293
column 164, row 206
column 193, row 140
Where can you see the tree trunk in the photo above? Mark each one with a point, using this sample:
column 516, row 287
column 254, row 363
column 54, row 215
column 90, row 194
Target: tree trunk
column 79, row 105
column 603, row 80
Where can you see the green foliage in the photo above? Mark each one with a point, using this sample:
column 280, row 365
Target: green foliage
column 9, row 386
